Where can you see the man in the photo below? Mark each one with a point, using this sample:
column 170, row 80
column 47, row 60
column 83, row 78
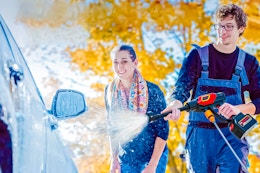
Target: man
column 218, row 67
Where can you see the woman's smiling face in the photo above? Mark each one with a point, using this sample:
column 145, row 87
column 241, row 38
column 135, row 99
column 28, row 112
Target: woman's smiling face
column 123, row 65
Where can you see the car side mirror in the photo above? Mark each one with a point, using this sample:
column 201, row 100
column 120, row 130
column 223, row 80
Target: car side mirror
column 68, row 103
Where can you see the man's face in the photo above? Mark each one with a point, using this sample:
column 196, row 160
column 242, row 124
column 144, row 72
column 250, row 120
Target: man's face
column 228, row 31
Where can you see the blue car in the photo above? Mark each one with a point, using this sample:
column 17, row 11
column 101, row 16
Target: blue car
column 28, row 140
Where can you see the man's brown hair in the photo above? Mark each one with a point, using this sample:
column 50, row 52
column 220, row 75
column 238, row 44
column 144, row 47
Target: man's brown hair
column 232, row 10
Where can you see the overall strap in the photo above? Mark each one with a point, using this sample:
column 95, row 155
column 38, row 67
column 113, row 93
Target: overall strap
column 240, row 69
column 204, row 56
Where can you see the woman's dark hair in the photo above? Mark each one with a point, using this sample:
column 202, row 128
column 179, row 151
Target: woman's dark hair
column 124, row 48
column 232, row 10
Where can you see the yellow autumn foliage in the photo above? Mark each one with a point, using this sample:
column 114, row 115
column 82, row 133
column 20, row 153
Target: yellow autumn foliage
column 254, row 161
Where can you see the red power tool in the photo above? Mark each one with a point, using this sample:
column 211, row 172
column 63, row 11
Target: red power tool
column 239, row 125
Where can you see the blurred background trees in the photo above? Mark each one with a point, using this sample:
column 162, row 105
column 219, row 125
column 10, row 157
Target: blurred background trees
column 160, row 31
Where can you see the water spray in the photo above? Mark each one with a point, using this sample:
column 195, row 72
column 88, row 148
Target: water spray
column 239, row 125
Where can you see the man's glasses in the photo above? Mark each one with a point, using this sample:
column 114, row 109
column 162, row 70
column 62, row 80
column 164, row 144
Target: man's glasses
column 227, row 27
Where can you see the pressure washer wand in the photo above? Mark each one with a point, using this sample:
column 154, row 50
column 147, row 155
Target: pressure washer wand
column 199, row 104
column 158, row 116
column 239, row 125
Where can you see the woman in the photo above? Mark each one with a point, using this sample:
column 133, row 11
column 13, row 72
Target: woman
column 147, row 152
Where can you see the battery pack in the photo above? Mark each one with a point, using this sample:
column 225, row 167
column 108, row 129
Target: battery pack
column 241, row 124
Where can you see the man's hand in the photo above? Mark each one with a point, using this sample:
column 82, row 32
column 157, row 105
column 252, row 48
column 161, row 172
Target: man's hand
column 175, row 112
column 227, row 110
